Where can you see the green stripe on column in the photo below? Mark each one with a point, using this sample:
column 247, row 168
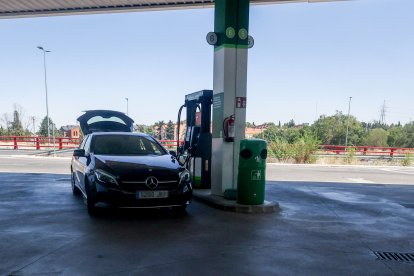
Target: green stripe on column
column 231, row 22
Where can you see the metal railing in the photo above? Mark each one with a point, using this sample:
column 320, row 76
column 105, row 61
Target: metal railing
column 61, row 143
column 366, row 150
column 38, row 142
column 170, row 144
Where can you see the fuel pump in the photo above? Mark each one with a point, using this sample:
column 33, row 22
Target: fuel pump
column 195, row 152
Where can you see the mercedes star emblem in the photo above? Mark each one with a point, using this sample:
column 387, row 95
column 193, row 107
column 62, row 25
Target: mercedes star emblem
column 151, row 182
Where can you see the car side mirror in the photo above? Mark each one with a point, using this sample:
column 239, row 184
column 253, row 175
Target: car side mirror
column 173, row 153
column 79, row 153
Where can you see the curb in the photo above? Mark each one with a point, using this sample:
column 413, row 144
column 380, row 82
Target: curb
column 221, row 203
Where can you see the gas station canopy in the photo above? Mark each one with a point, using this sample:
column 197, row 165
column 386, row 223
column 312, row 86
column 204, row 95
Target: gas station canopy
column 31, row 8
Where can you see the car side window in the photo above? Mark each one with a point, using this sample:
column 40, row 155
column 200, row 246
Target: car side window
column 87, row 145
column 82, row 145
column 151, row 147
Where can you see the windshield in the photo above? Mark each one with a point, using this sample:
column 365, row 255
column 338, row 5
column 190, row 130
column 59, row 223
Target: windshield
column 125, row 145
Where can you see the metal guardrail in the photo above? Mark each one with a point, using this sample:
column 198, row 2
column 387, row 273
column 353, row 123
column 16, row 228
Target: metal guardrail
column 61, row 143
column 366, row 150
column 38, row 142
column 169, row 144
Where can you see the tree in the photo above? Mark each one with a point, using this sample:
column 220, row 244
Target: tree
column 3, row 132
column 396, row 136
column 378, row 124
column 159, row 132
column 291, row 135
column 291, row 123
column 288, row 135
column 150, row 131
column 16, row 128
column 169, row 130
column 409, row 134
column 140, row 128
column 7, row 122
column 331, row 130
column 377, row 137
column 272, row 133
column 14, row 123
column 144, row 129
column 43, row 127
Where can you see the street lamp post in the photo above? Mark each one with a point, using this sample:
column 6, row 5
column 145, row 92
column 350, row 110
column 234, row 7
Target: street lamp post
column 347, row 123
column 127, row 105
column 47, row 103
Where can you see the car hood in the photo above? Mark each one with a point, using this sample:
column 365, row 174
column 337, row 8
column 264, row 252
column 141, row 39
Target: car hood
column 138, row 168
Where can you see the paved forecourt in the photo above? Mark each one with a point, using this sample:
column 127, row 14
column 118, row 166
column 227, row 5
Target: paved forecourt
column 322, row 228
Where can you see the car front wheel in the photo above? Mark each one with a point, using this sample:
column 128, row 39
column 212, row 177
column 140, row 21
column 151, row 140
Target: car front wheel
column 91, row 199
column 75, row 189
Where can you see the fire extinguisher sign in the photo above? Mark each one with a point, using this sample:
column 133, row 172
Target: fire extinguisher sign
column 240, row 102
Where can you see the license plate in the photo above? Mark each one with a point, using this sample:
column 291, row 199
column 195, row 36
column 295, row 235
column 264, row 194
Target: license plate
column 151, row 194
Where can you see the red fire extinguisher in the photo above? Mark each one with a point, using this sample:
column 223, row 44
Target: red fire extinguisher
column 228, row 128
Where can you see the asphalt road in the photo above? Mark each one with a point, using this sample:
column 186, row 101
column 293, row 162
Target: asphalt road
column 341, row 174
column 323, row 228
column 275, row 172
column 34, row 164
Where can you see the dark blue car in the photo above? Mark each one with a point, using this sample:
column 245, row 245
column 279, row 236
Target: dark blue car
column 115, row 166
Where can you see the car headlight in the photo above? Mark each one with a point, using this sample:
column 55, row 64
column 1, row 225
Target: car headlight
column 105, row 177
column 184, row 176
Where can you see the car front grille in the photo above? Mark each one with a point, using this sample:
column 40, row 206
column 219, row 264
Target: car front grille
column 141, row 185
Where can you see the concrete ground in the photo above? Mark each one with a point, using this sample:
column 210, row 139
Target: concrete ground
column 323, row 227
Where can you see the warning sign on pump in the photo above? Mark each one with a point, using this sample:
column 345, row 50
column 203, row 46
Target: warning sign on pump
column 240, row 102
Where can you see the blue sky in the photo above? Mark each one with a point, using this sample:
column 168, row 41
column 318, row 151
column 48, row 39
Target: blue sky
column 307, row 60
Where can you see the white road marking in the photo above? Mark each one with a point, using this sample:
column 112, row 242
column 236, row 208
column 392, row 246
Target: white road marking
column 35, row 157
column 398, row 170
column 359, row 180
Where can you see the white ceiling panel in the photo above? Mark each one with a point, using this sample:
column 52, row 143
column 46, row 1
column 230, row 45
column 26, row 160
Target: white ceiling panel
column 32, row 8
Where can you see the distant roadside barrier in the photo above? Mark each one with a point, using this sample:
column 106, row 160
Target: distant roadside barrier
column 365, row 150
column 58, row 143
column 170, row 144
column 62, row 143
column 38, row 142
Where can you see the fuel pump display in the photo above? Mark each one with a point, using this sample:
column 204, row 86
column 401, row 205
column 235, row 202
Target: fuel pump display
column 195, row 153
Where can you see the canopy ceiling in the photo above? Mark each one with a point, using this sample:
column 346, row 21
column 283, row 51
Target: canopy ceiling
column 32, row 8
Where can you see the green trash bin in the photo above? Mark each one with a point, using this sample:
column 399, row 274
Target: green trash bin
column 251, row 179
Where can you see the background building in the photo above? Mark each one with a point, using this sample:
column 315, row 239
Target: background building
column 70, row 131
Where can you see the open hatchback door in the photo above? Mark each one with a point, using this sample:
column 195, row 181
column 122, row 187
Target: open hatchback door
column 105, row 121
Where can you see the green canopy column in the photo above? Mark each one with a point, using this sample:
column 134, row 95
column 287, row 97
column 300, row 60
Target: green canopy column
column 229, row 94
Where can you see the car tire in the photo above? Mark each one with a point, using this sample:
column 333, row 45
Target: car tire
column 75, row 189
column 90, row 199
